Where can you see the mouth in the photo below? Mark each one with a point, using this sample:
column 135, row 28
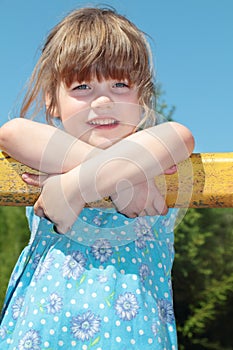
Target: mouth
column 106, row 123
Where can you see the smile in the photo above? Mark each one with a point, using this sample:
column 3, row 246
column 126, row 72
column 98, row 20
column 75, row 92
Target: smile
column 105, row 122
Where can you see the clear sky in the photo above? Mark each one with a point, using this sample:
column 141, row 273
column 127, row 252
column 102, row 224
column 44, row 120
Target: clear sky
column 192, row 45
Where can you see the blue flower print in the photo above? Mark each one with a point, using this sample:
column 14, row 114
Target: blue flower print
column 3, row 332
column 126, row 306
column 102, row 250
column 31, row 341
column 16, row 307
column 97, row 220
column 74, row 265
column 44, row 266
column 144, row 272
column 144, row 233
column 154, row 328
column 166, row 313
column 54, row 303
column 102, row 278
column 85, row 326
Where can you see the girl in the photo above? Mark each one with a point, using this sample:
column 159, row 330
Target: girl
column 94, row 278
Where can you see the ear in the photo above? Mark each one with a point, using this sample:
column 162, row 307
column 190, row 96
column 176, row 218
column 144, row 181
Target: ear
column 55, row 111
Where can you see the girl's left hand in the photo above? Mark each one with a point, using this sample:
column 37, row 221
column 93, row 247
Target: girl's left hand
column 59, row 201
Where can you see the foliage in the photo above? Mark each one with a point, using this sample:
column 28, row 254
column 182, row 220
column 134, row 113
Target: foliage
column 203, row 279
column 14, row 235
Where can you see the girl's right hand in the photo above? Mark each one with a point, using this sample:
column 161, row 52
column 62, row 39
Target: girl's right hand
column 59, row 200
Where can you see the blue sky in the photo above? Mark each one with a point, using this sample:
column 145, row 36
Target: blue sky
column 193, row 55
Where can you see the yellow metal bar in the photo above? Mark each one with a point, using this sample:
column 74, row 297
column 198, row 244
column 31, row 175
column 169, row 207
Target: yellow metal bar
column 203, row 180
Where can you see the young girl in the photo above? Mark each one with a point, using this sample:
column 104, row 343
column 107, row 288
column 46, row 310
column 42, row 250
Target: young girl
column 94, row 278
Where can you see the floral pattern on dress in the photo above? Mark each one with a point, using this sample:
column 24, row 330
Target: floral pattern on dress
column 85, row 326
column 143, row 231
column 54, row 303
column 126, row 306
column 30, row 341
column 73, row 266
column 101, row 250
column 16, row 307
column 166, row 313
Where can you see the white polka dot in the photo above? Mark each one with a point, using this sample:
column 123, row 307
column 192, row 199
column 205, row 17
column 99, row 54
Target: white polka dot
column 44, row 243
column 64, row 329
column 84, row 347
column 132, row 341
column 42, row 321
column 138, row 291
column 107, row 288
column 90, row 281
column 69, row 285
column 30, row 324
column 56, row 318
column 68, row 314
column 115, row 217
column 134, row 261
column 44, row 289
column 84, row 218
column 134, row 277
column 94, row 295
column 60, row 343
column 166, row 295
column 86, row 306
column 153, row 310
column 141, row 331
column 161, row 279
column 128, row 328
column 28, row 274
column 124, row 285
column 46, row 344
column 32, row 299
column 118, row 323
column 101, row 306
column 118, row 339
column 56, row 265
column 122, row 259
column 150, row 340
column 81, row 291
column 160, row 265
column 122, row 272
column 170, row 329
column 73, row 343
column 73, row 301
column 127, row 249
column 145, row 318
column 35, row 312
column 42, row 301
column 113, row 261
column 106, row 319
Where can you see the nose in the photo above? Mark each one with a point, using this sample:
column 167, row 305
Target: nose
column 102, row 102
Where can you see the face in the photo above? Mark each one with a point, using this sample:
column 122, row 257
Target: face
column 99, row 113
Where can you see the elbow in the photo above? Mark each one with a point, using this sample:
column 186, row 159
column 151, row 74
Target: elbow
column 8, row 133
column 186, row 137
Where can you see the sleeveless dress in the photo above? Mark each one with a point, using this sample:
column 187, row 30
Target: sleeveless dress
column 105, row 285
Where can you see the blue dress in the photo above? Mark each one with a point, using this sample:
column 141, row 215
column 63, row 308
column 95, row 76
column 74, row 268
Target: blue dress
column 106, row 284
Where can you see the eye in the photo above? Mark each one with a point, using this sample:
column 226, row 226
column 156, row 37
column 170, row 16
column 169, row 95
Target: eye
column 81, row 87
column 121, row 84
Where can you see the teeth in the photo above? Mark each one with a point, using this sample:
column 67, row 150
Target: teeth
column 102, row 122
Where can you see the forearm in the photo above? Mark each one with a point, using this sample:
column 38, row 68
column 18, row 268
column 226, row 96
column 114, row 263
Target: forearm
column 43, row 147
column 135, row 159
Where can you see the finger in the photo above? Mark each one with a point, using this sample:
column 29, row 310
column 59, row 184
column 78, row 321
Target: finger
column 34, row 180
column 171, row 170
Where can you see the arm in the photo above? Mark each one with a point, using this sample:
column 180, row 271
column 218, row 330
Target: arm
column 134, row 160
column 43, row 147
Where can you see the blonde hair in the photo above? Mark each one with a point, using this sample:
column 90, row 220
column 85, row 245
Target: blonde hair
column 91, row 42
